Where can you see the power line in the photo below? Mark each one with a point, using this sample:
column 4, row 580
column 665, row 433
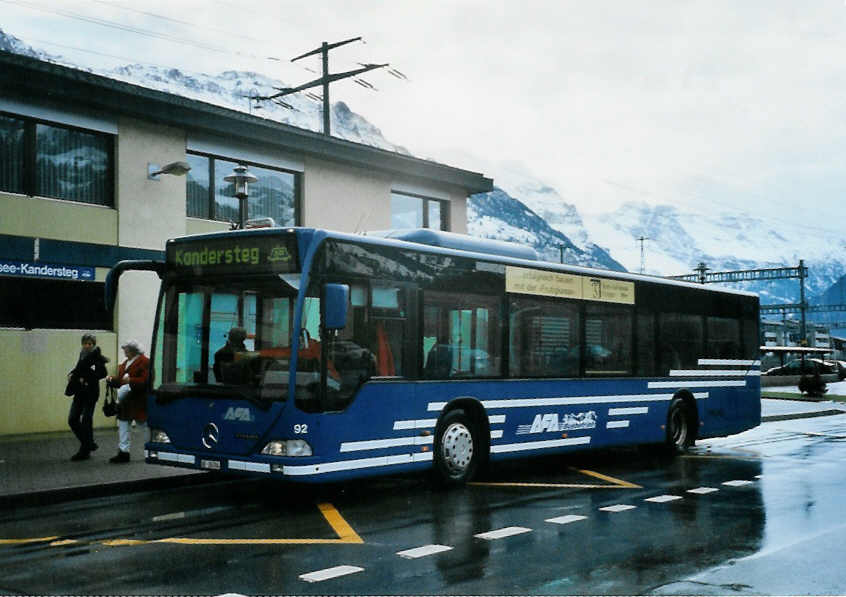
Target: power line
column 130, row 29
column 324, row 80
column 177, row 21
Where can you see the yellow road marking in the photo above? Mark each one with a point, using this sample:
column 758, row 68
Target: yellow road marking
column 61, row 542
column 342, row 529
column 30, row 540
column 618, row 482
column 345, row 533
column 338, row 524
column 561, row 485
column 614, row 483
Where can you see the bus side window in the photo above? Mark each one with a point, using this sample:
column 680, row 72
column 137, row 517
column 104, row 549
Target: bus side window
column 680, row 340
column 461, row 335
column 544, row 338
column 723, row 337
column 608, row 340
column 645, row 343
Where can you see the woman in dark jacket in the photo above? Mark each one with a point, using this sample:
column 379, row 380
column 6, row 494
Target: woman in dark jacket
column 84, row 386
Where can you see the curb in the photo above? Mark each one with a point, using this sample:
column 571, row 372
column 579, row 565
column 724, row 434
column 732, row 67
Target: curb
column 808, row 415
column 64, row 494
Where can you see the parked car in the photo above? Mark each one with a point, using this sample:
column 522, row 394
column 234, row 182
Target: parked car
column 840, row 369
column 803, row 367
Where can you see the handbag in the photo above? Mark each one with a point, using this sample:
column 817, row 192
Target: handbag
column 73, row 386
column 110, row 404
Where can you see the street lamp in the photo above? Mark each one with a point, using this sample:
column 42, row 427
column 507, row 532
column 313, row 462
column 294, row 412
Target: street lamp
column 241, row 178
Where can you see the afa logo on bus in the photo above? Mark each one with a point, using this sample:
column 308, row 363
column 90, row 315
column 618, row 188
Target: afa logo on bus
column 242, row 414
column 544, row 423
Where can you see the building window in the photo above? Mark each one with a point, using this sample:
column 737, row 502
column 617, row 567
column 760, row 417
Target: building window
column 53, row 304
column 47, row 160
column 410, row 211
column 275, row 194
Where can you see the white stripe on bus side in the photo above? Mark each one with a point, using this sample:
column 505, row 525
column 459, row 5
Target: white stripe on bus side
column 348, row 465
column 738, row 362
column 654, row 385
column 634, row 410
column 711, row 373
column 550, row 443
column 566, row 401
column 414, row 424
column 377, row 444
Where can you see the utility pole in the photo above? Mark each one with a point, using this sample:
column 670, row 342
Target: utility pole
column 802, row 304
column 701, row 268
column 324, row 80
column 641, row 239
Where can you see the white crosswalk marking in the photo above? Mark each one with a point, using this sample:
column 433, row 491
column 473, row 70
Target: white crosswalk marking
column 737, row 483
column 703, row 490
column 321, row 575
column 618, row 508
column 566, row 519
column 660, row 499
column 501, row 533
column 426, row 550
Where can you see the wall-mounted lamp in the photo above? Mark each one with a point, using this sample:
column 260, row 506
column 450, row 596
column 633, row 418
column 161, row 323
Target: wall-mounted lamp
column 241, row 177
column 174, row 168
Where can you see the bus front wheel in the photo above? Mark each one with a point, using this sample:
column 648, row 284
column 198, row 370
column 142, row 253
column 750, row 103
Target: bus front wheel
column 680, row 426
column 457, row 448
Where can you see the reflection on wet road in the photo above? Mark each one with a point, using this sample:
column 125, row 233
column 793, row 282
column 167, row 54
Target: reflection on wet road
column 723, row 519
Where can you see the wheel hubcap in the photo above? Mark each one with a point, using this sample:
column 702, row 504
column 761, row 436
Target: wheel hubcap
column 457, row 448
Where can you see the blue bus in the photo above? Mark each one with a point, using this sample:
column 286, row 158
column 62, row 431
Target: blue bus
column 356, row 355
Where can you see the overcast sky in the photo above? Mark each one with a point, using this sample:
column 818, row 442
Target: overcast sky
column 703, row 103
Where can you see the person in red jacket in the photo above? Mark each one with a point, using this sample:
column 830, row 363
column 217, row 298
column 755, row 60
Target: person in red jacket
column 131, row 382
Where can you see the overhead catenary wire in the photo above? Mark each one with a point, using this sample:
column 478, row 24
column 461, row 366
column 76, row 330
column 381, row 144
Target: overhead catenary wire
column 178, row 21
column 137, row 30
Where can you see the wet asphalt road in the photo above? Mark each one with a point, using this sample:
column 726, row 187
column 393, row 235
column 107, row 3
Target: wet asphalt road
column 758, row 513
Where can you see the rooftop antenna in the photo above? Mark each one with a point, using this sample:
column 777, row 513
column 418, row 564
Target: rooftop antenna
column 325, row 79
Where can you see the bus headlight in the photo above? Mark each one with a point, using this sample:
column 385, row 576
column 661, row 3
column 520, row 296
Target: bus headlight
column 290, row 447
column 159, row 437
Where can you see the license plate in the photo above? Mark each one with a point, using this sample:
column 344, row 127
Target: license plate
column 210, row 464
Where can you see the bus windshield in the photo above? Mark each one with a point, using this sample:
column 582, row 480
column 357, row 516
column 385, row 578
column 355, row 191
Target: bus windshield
column 232, row 336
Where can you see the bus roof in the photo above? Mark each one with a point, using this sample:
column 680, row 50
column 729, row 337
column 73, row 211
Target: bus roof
column 450, row 243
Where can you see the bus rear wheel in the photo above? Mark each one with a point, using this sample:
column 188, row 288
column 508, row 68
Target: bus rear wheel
column 457, row 449
column 680, row 427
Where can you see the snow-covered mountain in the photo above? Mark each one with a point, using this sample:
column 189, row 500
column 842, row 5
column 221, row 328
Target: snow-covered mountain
column 499, row 215
column 678, row 239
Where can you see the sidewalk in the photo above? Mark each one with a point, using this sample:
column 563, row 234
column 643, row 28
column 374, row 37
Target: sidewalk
column 37, row 468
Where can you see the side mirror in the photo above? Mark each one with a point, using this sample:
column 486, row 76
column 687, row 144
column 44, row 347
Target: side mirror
column 336, row 298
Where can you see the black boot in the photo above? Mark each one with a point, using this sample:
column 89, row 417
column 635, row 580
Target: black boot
column 119, row 457
column 81, row 455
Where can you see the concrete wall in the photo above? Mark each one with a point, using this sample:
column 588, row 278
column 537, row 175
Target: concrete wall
column 34, row 368
column 63, row 220
column 149, row 213
column 353, row 200
column 344, row 199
